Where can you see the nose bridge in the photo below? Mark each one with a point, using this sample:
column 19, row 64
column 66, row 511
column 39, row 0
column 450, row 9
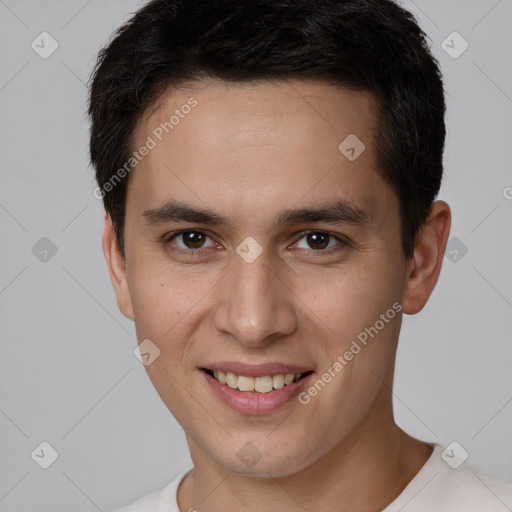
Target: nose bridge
column 254, row 306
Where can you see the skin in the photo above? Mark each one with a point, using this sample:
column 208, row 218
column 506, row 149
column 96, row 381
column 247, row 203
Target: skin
column 247, row 152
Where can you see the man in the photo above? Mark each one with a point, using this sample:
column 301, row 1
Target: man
column 269, row 172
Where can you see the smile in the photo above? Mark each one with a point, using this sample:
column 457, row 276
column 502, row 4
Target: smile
column 265, row 391
column 262, row 384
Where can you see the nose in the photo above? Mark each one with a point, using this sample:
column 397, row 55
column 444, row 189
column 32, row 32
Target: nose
column 255, row 304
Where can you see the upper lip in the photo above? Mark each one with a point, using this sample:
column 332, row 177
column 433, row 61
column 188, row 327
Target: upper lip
column 256, row 370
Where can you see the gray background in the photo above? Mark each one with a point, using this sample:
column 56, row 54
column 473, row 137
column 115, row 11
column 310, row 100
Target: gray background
column 68, row 375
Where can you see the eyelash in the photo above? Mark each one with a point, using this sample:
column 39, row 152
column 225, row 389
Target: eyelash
column 342, row 242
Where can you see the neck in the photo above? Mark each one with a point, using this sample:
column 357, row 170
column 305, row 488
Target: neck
column 367, row 470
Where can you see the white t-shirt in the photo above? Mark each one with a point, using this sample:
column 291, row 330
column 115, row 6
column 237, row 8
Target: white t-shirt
column 437, row 487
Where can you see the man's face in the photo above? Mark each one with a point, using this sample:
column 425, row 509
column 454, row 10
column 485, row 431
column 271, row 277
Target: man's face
column 258, row 290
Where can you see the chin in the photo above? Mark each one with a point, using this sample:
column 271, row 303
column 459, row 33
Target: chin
column 251, row 461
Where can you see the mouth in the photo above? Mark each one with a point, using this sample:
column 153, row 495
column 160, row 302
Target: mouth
column 262, row 392
column 259, row 384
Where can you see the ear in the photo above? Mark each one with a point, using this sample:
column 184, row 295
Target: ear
column 117, row 269
column 425, row 265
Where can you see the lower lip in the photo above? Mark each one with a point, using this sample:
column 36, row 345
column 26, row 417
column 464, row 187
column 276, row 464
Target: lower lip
column 252, row 402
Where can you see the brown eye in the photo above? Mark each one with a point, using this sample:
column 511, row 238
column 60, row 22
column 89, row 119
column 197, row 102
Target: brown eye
column 190, row 239
column 320, row 241
column 193, row 239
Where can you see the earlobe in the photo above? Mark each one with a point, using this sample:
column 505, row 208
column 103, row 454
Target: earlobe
column 425, row 265
column 117, row 269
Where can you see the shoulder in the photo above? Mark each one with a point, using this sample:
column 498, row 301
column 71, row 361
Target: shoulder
column 447, row 485
column 161, row 500
column 471, row 489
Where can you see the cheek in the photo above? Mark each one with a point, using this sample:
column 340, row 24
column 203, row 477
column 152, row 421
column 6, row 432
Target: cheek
column 166, row 305
column 156, row 306
column 161, row 298
column 169, row 306
column 349, row 299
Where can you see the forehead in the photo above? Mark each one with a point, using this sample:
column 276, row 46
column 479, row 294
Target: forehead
column 262, row 144
column 242, row 115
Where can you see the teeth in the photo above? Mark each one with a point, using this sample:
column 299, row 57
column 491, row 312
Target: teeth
column 245, row 383
column 231, row 380
column 263, row 384
column 278, row 381
column 221, row 376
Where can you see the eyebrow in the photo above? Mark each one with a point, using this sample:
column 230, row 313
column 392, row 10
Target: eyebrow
column 339, row 211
